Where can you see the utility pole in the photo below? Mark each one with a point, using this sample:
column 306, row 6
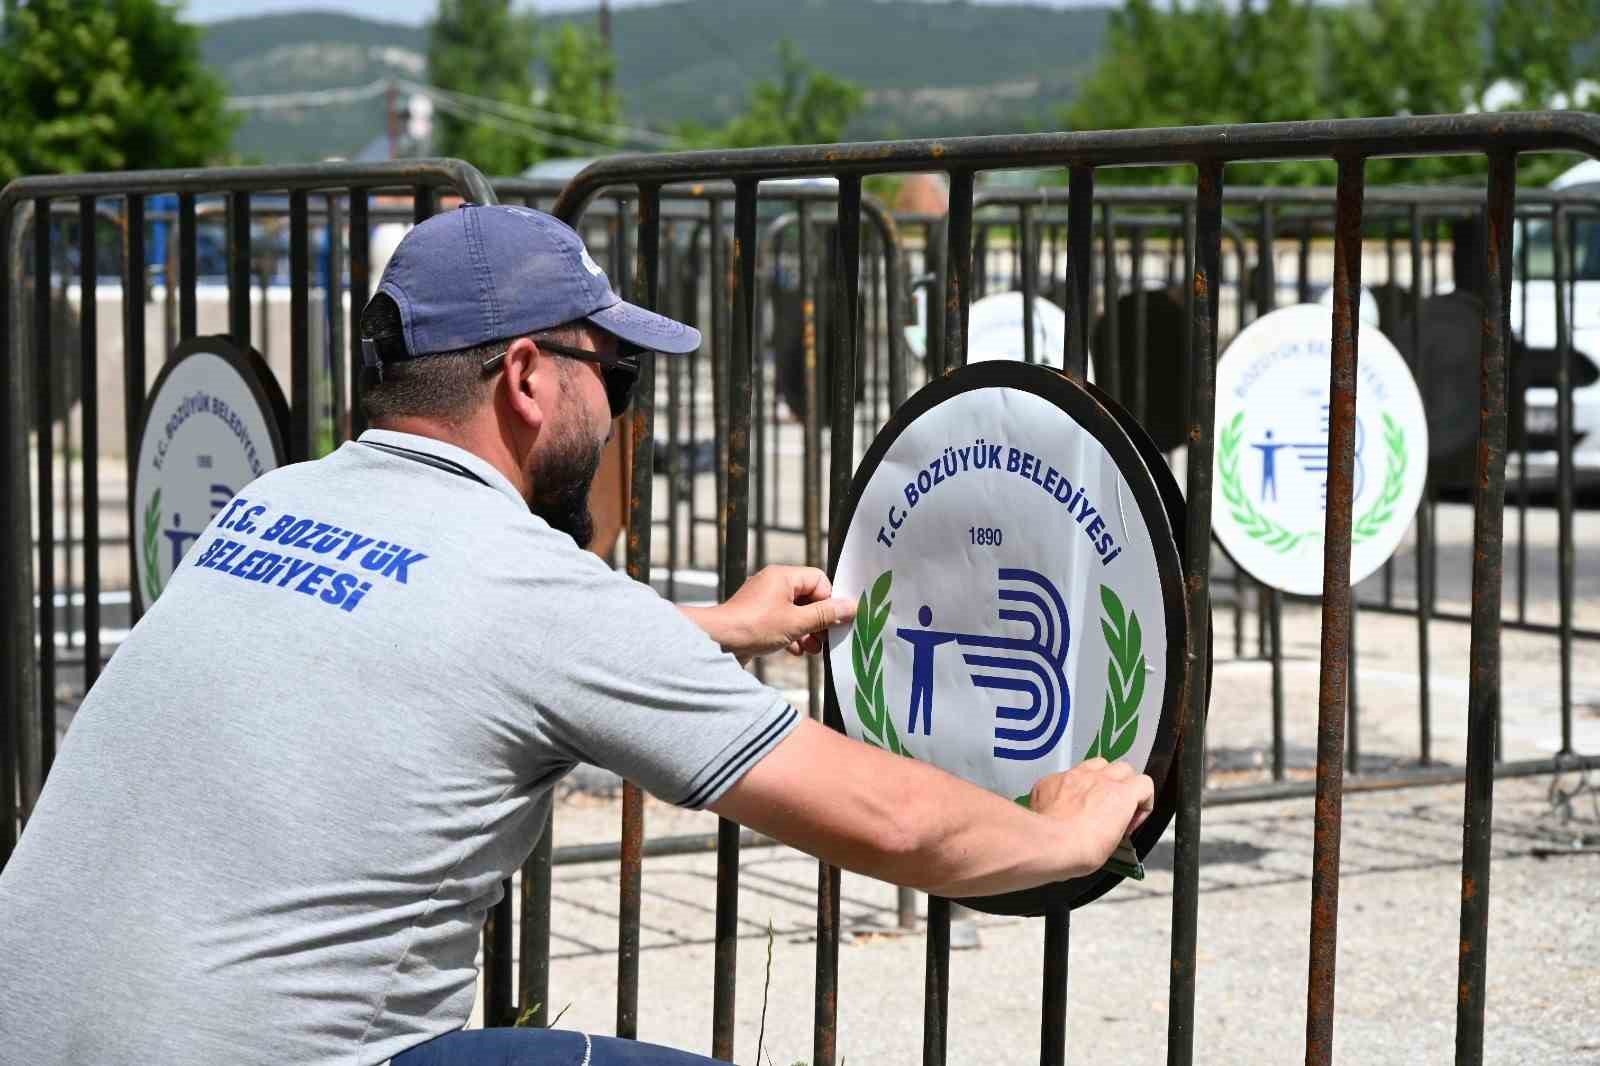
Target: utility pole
column 605, row 23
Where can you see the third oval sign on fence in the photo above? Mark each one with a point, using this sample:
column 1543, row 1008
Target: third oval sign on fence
column 1270, row 500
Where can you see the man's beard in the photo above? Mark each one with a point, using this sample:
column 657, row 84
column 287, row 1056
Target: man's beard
column 561, row 480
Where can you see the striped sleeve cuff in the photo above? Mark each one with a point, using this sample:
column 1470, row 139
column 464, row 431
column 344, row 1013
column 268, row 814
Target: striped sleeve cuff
column 719, row 775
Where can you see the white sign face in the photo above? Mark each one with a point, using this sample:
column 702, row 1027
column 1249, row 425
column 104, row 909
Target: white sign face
column 208, row 431
column 994, row 330
column 1269, row 503
column 1018, row 597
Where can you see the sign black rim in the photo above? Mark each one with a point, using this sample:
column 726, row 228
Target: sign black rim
column 257, row 376
column 1107, row 430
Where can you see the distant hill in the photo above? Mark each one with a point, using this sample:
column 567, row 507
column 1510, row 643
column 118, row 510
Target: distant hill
column 929, row 69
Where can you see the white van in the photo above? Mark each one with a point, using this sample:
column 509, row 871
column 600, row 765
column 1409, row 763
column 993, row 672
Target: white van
column 1538, row 335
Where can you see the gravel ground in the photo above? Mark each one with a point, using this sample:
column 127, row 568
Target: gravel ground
column 1399, row 914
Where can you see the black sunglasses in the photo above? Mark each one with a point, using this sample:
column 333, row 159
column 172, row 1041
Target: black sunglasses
column 619, row 373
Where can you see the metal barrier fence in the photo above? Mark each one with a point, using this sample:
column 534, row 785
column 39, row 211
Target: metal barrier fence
column 30, row 593
column 1498, row 137
column 705, row 252
column 1029, row 224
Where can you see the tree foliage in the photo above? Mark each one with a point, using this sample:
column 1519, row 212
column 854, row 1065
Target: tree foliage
column 483, row 49
column 803, row 105
column 106, row 85
column 503, row 121
column 1198, row 62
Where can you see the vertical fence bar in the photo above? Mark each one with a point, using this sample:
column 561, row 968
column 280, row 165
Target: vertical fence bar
column 1112, row 356
column 133, row 361
column 1518, row 375
column 302, row 423
column 88, row 325
column 1352, row 702
column 16, row 535
column 640, row 511
column 1564, row 550
column 1336, row 596
column 1424, row 509
column 719, row 374
column 187, row 268
column 1053, row 1030
column 958, row 271
column 333, row 311
column 1080, row 272
column 44, row 427
column 1483, row 698
column 1027, row 259
column 936, row 983
column 735, row 562
column 239, row 270
column 1267, row 300
column 497, row 975
column 1197, row 586
column 421, row 204
column 533, row 978
column 1141, row 329
column 360, row 292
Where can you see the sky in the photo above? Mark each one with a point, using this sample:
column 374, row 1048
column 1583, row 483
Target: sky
column 416, row 12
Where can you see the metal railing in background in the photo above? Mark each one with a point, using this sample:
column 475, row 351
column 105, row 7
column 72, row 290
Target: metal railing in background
column 1500, row 138
column 29, row 345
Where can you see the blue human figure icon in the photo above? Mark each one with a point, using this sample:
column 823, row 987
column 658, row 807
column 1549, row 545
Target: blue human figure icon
column 923, row 643
column 1269, row 465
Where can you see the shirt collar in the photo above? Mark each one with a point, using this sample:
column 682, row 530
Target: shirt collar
column 439, row 449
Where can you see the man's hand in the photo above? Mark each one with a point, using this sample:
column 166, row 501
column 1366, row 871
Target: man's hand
column 788, row 607
column 1103, row 802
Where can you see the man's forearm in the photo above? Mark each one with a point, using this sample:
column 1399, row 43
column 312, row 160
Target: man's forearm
column 714, row 622
column 900, row 820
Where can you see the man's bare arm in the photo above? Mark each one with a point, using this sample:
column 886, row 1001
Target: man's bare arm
column 780, row 607
column 902, row 821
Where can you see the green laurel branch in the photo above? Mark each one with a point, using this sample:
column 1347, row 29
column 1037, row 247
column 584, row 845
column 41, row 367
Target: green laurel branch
column 152, row 551
column 1379, row 514
column 1252, row 523
column 1125, row 677
column 866, row 654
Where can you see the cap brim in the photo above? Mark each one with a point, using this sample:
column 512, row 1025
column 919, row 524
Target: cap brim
column 646, row 329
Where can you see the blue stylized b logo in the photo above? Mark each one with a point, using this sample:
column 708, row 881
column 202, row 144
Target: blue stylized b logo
column 1033, row 666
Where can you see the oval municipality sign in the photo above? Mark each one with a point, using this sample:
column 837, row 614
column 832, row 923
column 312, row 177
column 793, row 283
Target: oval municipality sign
column 213, row 423
column 1020, row 594
column 1270, row 502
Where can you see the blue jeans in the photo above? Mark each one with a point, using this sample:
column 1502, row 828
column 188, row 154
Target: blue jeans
column 540, row 1047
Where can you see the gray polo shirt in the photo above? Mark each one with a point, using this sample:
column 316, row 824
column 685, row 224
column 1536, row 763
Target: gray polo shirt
column 279, row 818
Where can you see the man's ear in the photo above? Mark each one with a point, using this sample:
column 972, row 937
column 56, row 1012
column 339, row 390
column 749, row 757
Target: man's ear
column 521, row 373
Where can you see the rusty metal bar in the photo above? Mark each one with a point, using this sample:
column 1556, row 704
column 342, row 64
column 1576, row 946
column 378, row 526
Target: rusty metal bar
column 1057, row 930
column 1483, row 699
column 302, row 423
column 958, row 271
column 1138, row 403
column 641, row 425
column 360, row 292
column 1112, row 295
column 734, row 567
column 1565, row 560
column 936, row 983
column 533, row 978
column 239, row 268
column 88, row 326
column 187, row 314
column 133, row 359
column 1336, row 598
column 497, row 973
column 719, row 372
column 1267, row 301
column 44, row 428
column 1197, row 586
column 1028, row 259
column 16, row 535
column 333, row 306
column 1080, row 271
column 1424, row 509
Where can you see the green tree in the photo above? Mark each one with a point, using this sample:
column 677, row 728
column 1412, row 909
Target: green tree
column 1407, row 57
column 1546, row 48
column 803, row 106
column 483, row 50
column 579, row 73
column 106, row 85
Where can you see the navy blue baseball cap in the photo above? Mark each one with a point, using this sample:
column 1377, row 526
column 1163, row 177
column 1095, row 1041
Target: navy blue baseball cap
column 481, row 274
